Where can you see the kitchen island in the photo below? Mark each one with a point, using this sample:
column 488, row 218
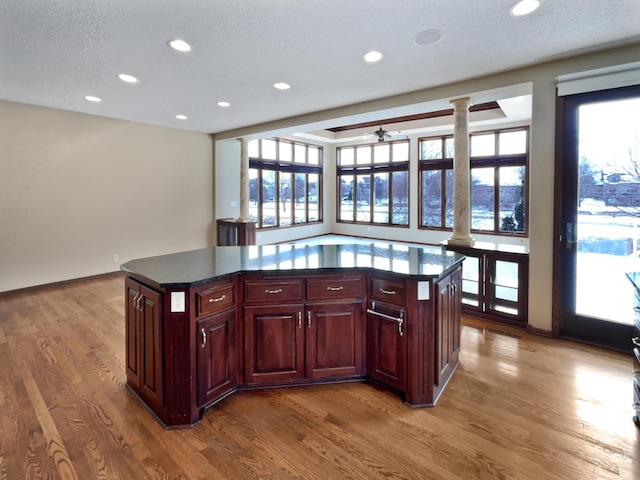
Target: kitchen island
column 203, row 324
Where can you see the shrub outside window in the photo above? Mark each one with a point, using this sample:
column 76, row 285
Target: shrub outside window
column 285, row 183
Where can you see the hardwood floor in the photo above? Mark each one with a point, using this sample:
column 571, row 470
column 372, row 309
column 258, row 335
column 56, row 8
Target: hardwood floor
column 518, row 407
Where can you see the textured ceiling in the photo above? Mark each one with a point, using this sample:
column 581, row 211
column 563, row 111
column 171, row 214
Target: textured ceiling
column 54, row 52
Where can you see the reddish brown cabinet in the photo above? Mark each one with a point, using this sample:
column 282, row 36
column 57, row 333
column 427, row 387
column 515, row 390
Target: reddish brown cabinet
column 321, row 338
column 143, row 333
column 273, row 344
column 198, row 330
column 447, row 336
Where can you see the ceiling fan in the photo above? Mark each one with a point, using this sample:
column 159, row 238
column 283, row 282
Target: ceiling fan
column 382, row 134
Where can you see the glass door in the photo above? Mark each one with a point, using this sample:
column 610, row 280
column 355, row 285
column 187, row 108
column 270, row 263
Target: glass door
column 601, row 215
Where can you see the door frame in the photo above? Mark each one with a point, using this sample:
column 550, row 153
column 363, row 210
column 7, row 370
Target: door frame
column 565, row 145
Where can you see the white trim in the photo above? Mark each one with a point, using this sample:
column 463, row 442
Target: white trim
column 599, row 79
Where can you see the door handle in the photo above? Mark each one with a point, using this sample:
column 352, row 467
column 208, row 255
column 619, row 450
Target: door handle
column 569, row 236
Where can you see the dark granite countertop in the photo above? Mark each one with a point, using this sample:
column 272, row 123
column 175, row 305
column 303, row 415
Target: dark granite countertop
column 202, row 266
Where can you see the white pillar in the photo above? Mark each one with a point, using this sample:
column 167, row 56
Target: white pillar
column 244, row 181
column 461, row 175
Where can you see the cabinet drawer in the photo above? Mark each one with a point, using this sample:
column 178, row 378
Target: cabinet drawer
column 214, row 299
column 388, row 291
column 333, row 288
column 272, row 290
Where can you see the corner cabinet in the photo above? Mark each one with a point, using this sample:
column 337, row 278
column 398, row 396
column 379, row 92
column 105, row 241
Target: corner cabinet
column 191, row 344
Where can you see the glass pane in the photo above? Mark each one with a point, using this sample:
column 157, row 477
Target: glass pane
column 300, row 200
column 269, row 149
column 470, row 281
column 254, row 148
column 506, row 274
column 346, row 198
column 314, row 195
column 400, row 151
column 285, row 153
column 380, row 153
column 254, row 191
column 448, row 192
column 448, row 147
column 400, row 198
column 268, row 198
column 608, row 223
column 286, row 187
column 346, row 156
column 483, row 145
column 314, row 155
column 299, row 153
column 512, row 211
column 512, row 142
column 363, row 208
column 381, row 198
column 431, row 198
column 482, row 195
column 363, row 155
column 430, row 149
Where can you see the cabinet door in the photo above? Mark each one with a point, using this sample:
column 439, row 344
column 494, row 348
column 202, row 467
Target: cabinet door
column 274, row 344
column 216, row 364
column 447, row 343
column 132, row 333
column 334, row 341
column 144, row 342
column 386, row 347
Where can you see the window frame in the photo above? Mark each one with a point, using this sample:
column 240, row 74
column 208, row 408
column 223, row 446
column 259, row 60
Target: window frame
column 495, row 161
column 293, row 168
column 371, row 169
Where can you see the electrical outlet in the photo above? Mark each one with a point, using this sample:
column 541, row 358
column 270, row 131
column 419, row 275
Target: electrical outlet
column 116, row 257
column 177, row 302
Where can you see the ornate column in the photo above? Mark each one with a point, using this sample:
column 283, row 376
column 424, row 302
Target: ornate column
column 244, row 181
column 461, row 175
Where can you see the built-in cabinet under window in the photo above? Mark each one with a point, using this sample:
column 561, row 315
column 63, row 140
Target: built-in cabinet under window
column 495, row 282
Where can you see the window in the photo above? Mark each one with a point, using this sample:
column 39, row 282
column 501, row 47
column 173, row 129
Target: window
column 285, row 183
column 373, row 183
column 498, row 181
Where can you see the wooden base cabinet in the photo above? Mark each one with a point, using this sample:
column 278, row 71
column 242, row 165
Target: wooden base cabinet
column 143, row 331
column 321, row 338
column 187, row 347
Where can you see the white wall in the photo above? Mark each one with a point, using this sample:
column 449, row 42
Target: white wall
column 77, row 189
column 542, row 159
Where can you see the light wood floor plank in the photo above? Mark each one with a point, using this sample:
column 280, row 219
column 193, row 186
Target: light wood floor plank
column 518, row 407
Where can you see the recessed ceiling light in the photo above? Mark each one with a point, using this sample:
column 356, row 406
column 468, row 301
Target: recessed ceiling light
column 224, row 104
column 524, row 7
column 127, row 78
column 426, row 38
column 282, row 86
column 372, row 56
column 91, row 98
column 180, row 45
column 181, row 117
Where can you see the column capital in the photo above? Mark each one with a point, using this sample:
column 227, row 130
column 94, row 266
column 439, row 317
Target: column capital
column 461, row 102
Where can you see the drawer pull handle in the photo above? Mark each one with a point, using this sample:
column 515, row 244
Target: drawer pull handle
column 299, row 319
column 219, row 299
column 204, row 337
column 399, row 320
column 335, row 289
column 309, row 319
column 387, row 292
column 277, row 290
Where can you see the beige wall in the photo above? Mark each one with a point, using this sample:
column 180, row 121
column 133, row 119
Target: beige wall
column 541, row 81
column 77, row 189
